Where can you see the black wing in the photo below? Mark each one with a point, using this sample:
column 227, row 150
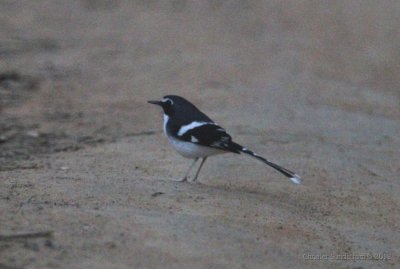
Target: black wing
column 210, row 135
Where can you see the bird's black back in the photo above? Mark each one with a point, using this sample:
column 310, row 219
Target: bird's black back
column 183, row 112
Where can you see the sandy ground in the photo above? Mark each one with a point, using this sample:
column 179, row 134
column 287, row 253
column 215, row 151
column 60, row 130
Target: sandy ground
column 311, row 85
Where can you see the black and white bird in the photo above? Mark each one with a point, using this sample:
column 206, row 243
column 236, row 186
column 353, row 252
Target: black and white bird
column 194, row 135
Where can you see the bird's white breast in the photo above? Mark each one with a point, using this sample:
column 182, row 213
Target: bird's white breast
column 191, row 150
column 166, row 118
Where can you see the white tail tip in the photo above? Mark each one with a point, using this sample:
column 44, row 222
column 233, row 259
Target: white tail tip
column 296, row 179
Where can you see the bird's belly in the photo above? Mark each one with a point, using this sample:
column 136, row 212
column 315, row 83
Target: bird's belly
column 191, row 150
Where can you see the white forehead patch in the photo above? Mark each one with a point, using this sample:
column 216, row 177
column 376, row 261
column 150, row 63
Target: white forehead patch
column 166, row 100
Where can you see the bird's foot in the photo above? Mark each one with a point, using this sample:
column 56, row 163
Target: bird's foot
column 194, row 181
column 185, row 179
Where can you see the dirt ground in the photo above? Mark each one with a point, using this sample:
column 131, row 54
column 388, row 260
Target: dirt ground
column 87, row 177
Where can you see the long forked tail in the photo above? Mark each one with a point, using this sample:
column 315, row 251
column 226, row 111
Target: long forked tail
column 292, row 176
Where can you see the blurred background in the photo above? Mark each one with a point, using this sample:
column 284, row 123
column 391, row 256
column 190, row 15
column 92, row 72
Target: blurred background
column 313, row 85
column 79, row 72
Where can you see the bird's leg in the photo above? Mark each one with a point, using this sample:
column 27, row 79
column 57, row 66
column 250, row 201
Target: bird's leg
column 198, row 170
column 185, row 178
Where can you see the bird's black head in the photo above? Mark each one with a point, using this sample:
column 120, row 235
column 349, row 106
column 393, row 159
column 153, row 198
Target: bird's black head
column 180, row 110
column 172, row 103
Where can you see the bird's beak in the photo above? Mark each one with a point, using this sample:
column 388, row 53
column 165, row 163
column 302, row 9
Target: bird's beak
column 155, row 102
